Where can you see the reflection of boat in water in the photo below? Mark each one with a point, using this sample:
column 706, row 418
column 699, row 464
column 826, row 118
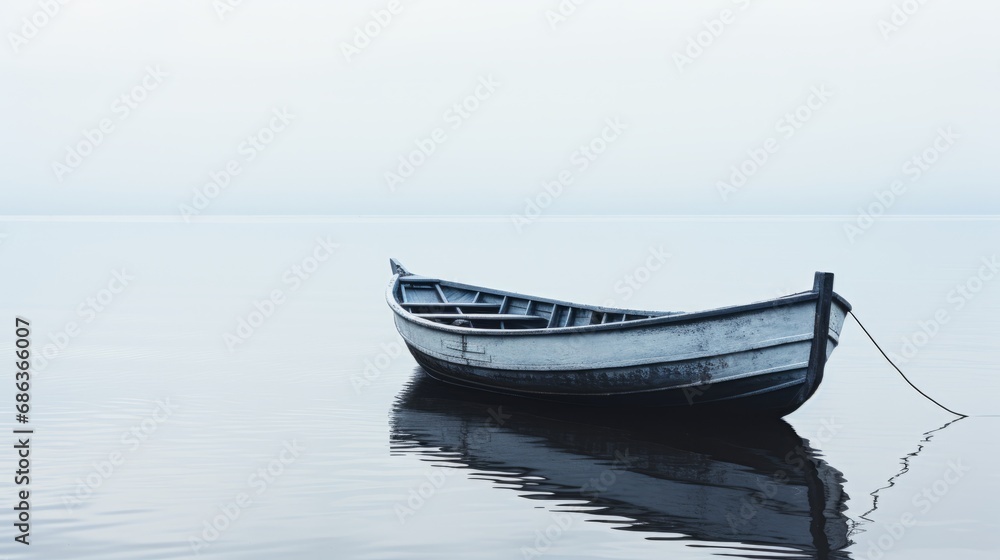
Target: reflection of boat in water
column 755, row 491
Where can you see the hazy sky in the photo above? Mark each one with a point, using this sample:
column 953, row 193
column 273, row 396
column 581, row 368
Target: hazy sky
column 636, row 107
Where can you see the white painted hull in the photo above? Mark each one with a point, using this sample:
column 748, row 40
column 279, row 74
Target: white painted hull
column 672, row 360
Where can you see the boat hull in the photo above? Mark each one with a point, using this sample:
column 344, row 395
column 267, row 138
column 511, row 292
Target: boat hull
column 762, row 359
column 773, row 395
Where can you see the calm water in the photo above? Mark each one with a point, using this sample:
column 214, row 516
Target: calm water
column 315, row 436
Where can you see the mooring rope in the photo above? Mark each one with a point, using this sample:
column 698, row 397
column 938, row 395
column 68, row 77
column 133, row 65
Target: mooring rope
column 886, row 356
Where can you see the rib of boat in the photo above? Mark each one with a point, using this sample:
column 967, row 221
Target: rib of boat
column 759, row 359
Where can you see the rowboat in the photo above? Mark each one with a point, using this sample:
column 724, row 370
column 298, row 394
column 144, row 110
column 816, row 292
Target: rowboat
column 762, row 359
column 746, row 490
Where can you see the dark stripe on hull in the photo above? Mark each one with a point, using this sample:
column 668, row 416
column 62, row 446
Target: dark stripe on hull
column 769, row 394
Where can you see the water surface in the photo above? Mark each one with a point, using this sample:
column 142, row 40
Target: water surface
column 325, row 426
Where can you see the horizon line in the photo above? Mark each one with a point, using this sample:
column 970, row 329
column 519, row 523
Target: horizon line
column 486, row 218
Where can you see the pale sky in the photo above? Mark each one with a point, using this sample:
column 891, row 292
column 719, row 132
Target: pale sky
column 538, row 89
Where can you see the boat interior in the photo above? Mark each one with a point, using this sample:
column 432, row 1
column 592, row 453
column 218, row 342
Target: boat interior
column 445, row 303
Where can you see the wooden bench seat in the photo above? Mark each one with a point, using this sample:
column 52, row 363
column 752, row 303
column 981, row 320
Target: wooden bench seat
column 439, row 305
column 483, row 317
